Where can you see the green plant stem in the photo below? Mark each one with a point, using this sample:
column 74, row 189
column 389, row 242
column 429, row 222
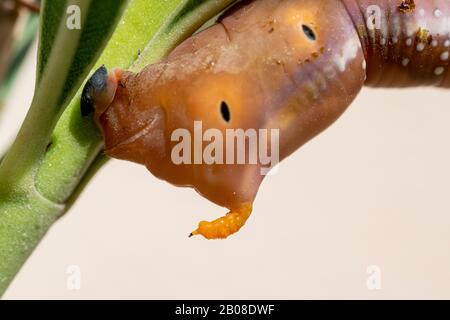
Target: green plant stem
column 25, row 214
column 25, row 218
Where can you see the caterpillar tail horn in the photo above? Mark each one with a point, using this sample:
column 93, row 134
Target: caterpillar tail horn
column 225, row 226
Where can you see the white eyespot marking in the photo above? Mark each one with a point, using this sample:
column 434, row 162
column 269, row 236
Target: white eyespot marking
column 405, row 62
column 422, row 12
column 348, row 53
column 409, row 42
column 394, row 39
column 437, row 13
column 445, row 55
column 434, row 43
column 439, row 71
column 447, row 43
column 420, row 47
column 383, row 41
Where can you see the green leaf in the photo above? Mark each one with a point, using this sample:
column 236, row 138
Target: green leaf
column 65, row 57
column 51, row 20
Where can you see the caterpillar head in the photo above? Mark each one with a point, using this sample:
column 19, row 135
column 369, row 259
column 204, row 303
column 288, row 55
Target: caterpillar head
column 267, row 65
column 99, row 91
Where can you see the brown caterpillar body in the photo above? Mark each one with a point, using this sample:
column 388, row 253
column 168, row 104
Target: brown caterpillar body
column 294, row 66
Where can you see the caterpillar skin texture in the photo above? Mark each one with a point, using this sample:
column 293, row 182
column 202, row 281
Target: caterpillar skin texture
column 292, row 65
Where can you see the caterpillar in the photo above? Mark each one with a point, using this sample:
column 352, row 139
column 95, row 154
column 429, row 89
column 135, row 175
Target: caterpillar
column 293, row 66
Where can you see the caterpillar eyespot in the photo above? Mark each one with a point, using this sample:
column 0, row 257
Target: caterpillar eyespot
column 275, row 75
column 225, row 111
column 309, row 32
